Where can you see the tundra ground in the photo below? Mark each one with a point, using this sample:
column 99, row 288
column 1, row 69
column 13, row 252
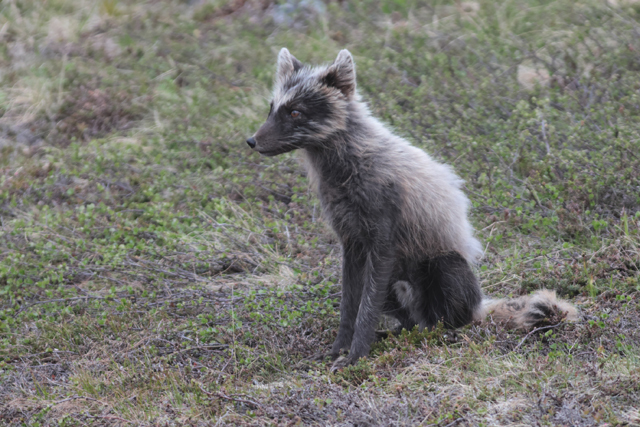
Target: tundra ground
column 154, row 271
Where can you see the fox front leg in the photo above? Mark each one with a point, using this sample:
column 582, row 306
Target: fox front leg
column 353, row 264
column 377, row 272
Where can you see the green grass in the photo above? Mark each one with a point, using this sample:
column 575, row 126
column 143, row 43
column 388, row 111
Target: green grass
column 154, row 271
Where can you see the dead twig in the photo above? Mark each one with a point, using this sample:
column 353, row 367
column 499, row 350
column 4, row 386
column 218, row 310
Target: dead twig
column 534, row 193
column 454, row 422
column 110, row 417
column 86, row 297
column 542, row 328
column 221, row 395
column 201, row 347
column 74, row 398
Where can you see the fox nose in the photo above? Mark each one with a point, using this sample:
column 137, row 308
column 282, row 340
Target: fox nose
column 252, row 142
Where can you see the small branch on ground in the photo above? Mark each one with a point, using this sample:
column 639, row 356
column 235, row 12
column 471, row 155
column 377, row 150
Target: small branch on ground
column 74, row 398
column 201, row 347
column 452, row 423
column 221, row 395
column 110, row 417
column 86, row 297
column 542, row 328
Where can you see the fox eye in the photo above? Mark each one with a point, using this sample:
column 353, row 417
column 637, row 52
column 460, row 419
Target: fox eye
column 295, row 114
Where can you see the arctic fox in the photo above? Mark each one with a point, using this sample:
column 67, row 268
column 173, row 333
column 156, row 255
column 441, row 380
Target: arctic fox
column 401, row 217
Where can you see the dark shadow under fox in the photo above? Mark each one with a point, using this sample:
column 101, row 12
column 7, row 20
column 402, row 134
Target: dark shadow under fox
column 401, row 217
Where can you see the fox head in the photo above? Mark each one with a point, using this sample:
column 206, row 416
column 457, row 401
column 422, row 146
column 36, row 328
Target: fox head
column 310, row 104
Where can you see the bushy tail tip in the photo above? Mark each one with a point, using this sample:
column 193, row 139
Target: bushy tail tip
column 528, row 311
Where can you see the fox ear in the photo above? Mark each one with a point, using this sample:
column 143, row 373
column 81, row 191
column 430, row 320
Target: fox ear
column 287, row 64
column 341, row 74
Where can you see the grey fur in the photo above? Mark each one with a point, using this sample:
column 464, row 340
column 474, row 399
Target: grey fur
column 410, row 301
column 401, row 217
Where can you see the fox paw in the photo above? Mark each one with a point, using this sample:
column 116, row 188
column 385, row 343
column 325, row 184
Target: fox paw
column 342, row 362
column 383, row 334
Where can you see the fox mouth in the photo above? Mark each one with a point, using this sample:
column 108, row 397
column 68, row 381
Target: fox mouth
column 276, row 151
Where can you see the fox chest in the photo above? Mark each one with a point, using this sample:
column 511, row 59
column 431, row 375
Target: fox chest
column 358, row 212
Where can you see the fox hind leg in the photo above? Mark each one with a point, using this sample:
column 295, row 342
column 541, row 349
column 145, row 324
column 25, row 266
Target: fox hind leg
column 394, row 307
column 440, row 289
